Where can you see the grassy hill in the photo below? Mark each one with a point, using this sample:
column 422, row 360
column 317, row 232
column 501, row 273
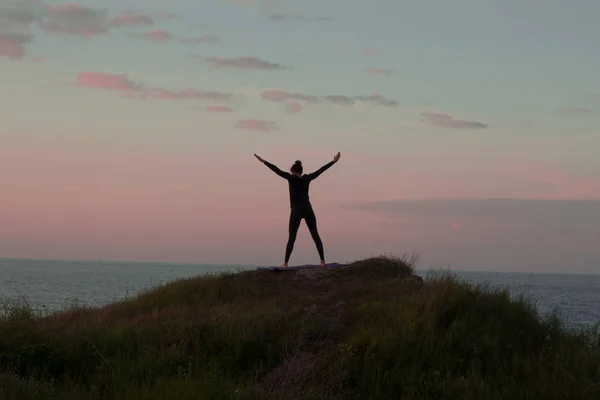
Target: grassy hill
column 371, row 330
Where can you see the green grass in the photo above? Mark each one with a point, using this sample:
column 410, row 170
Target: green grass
column 372, row 330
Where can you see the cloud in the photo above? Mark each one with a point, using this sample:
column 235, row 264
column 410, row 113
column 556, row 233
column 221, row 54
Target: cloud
column 16, row 18
column 136, row 90
column 369, row 52
column 12, row 45
column 157, row 35
column 293, row 107
column 200, row 39
column 376, row 99
column 379, row 100
column 71, row 18
column 74, row 19
column 100, row 80
column 449, row 122
column 379, row 71
column 340, row 99
column 256, row 125
column 243, row 63
column 297, row 17
column 217, row 109
column 281, row 96
column 562, row 217
column 131, row 20
column 186, row 94
column 535, row 231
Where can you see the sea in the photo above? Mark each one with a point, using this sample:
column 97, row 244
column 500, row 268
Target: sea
column 54, row 285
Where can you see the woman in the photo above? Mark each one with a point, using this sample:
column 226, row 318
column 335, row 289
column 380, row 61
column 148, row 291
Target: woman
column 300, row 203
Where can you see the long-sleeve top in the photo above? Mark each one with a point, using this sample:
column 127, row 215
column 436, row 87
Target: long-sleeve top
column 299, row 185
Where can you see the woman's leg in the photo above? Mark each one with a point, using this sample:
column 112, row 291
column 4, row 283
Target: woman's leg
column 311, row 222
column 295, row 219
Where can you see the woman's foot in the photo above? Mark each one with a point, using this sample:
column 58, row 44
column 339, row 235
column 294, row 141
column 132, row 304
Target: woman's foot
column 284, row 265
column 322, row 263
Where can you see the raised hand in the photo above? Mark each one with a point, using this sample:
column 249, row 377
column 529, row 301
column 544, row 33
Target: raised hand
column 337, row 157
column 259, row 159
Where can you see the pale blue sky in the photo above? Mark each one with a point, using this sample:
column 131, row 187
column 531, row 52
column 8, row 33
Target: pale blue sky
column 526, row 70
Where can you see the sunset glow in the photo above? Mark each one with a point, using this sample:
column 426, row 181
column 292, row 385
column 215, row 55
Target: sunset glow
column 469, row 134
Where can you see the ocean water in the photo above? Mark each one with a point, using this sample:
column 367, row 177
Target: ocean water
column 54, row 285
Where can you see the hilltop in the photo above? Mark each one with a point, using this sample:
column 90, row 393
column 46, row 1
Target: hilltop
column 370, row 330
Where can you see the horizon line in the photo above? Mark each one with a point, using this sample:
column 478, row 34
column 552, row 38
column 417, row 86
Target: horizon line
column 253, row 265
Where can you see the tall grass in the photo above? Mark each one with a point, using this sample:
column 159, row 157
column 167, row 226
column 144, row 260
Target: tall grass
column 372, row 330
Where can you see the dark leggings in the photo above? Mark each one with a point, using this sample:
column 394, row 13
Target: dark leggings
column 296, row 217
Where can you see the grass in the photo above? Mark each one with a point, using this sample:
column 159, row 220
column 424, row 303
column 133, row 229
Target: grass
column 371, row 330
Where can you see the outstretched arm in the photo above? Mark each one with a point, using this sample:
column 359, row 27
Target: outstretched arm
column 324, row 168
column 274, row 168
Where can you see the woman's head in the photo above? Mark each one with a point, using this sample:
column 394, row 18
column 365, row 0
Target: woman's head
column 297, row 168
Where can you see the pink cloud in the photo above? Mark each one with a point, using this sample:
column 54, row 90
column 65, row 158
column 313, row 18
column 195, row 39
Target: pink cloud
column 349, row 101
column 122, row 83
column 368, row 52
column 12, row 45
column 379, row 100
column 37, row 59
column 74, row 11
column 243, row 63
column 293, row 107
column 280, row 95
column 132, row 20
column 275, row 95
column 73, row 19
column 449, row 122
column 217, row 109
column 379, row 71
column 17, row 18
column 86, row 31
column 186, row 94
column 340, row 99
column 100, row 80
column 199, row 39
column 157, row 35
column 256, row 125
column 431, row 116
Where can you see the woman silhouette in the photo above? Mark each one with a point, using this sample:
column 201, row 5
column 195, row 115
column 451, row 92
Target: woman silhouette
column 300, row 203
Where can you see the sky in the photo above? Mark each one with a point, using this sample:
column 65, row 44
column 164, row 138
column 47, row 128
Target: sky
column 469, row 130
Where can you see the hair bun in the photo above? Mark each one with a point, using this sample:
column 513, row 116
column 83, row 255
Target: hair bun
column 298, row 162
